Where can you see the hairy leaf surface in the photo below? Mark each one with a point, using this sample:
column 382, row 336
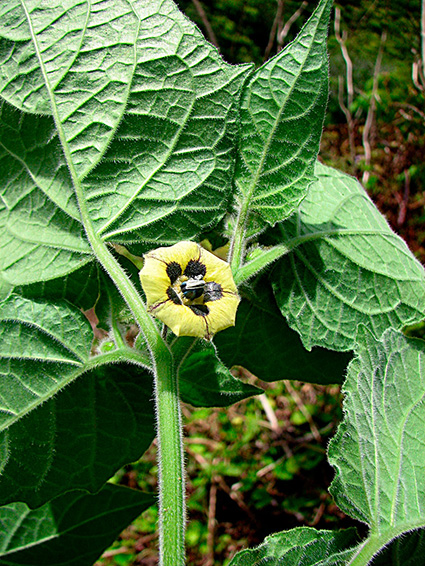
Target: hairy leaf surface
column 43, row 347
column 347, row 267
column 122, row 102
column 300, row 547
column 282, row 112
column 379, row 449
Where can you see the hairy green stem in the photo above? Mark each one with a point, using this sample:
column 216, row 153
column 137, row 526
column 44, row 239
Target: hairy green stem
column 171, row 465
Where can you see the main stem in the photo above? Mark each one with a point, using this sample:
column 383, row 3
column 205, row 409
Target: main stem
column 171, row 465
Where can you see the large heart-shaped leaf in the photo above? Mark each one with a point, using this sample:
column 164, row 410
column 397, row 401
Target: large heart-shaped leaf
column 138, row 117
column 347, row 267
column 379, row 449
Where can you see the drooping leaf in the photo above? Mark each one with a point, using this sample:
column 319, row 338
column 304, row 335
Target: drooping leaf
column 43, row 347
column 72, row 530
column 347, row 267
column 302, row 546
column 138, row 116
column 282, row 112
column 79, row 438
column 206, row 382
column 263, row 343
column 379, row 449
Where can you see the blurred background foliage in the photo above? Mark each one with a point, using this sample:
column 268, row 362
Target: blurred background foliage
column 260, row 466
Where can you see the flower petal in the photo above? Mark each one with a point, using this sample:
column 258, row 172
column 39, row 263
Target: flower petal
column 163, row 271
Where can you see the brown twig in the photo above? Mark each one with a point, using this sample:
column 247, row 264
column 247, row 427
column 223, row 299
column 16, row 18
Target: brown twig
column 370, row 118
column 342, row 40
column 282, row 33
column 298, row 401
column 205, row 21
column 277, row 19
column 403, row 202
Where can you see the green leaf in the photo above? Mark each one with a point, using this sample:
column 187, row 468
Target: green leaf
column 282, row 112
column 72, row 530
column 262, row 342
column 347, row 267
column 300, row 547
column 81, row 287
column 43, row 347
column 407, row 550
column 79, row 438
column 206, row 382
column 379, row 449
column 41, row 232
column 139, row 115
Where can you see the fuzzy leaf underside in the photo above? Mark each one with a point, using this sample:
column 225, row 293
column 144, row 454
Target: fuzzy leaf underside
column 72, row 530
column 347, row 267
column 43, row 347
column 282, row 112
column 302, row 546
column 124, row 99
column 379, row 449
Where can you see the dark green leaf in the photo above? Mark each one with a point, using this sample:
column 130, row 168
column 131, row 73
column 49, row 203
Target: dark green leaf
column 206, row 382
column 263, row 343
column 348, row 267
column 80, row 437
column 72, row 530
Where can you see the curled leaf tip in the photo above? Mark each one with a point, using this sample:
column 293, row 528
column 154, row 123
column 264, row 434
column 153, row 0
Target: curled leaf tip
column 189, row 289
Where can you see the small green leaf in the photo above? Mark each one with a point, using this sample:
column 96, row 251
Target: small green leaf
column 282, row 112
column 379, row 449
column 262, row 342
column 72, row 530
column 206, row 382
column 347, row 267
column 79, row 438
column 303, row 546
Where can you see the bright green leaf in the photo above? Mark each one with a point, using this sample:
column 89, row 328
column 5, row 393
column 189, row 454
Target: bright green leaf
column 72, row 530
column 300, row 547
column 79, row 438
column 347, row 267
column 282, row 113
column 379, row 449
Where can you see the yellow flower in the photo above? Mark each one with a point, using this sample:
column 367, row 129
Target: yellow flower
column 191, row 290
